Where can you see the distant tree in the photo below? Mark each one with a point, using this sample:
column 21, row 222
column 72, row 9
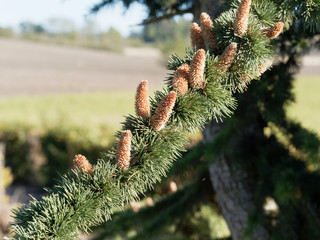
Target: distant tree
column 29, row 27
column 168, row 35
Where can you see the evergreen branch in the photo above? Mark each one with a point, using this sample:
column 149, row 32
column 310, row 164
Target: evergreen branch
column 81, row 200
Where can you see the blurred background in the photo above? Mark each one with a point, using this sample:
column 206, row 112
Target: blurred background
column 67, row 77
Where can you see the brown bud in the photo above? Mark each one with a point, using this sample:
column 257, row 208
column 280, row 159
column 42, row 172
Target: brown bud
column 241, row 22
column 227, row 57
column 142, row 100
column 180, row 79
column 196, row 78
column 274, row 31
column 163, row 111
column 208, row 33
column 196, row 36
column 82, row 163
column 123, row 150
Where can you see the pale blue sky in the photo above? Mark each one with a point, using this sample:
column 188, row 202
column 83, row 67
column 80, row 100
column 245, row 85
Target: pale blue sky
column 12, row 12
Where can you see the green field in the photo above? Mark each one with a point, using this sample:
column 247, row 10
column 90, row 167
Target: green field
column 306, row 109
column 99, row 114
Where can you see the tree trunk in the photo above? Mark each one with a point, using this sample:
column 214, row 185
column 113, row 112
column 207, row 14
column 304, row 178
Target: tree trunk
column 230, row 181
column 231, row 184
column 212, row 7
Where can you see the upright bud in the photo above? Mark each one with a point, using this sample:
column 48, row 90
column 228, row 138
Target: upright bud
column 142, row 100
column 196, row 78
column 163, row 111
column 274, row 31
column 82, row 163
column 180, row 79
column 241, row 22
column 196, row 36
column 123, row 150
column 227, row 57
column 208, row 33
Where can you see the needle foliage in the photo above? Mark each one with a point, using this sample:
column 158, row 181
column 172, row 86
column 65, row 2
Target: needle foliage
column 81, row 200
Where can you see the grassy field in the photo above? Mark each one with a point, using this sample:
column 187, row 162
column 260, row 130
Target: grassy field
column 99, row 114
column 306, row 109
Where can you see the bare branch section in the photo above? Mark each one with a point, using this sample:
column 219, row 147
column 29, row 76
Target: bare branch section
column 166, row 16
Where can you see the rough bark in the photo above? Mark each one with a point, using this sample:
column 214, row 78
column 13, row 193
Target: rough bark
column 230, row 182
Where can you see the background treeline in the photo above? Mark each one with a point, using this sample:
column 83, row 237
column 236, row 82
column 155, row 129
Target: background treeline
column 169, row 36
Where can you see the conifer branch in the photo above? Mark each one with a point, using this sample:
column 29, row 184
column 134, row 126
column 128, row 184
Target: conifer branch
column 154, row 139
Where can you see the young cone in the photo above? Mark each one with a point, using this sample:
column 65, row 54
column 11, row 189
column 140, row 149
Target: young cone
column 142, row 100
column 274, row 31
column 82, row 163
column 209, row 35
column 196, row 36
column 163, row 111
column 241, row 22
column 123, row 150
column 196, row 79
column 180, row 79
column 227, row 57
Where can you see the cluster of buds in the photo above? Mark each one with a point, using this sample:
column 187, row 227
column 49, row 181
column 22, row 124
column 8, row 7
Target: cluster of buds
column 82, row 163
column 203, row 37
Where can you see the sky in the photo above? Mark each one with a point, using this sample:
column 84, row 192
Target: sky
column 13, row 12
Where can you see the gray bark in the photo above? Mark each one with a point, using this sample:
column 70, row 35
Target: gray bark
column 212, row 7
column 230, row 182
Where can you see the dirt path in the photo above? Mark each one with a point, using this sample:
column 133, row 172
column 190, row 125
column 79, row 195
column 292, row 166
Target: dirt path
column 34, row 68
column 28, row 68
